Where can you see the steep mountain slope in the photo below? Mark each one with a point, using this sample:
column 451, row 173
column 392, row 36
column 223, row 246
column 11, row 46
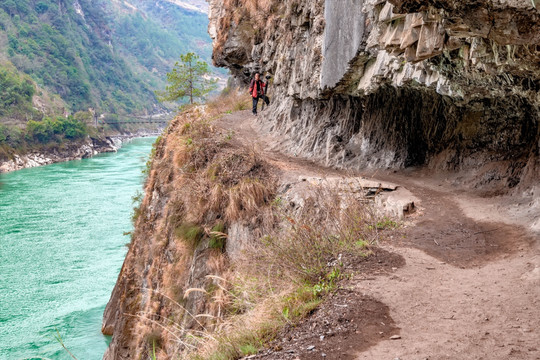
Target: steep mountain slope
column 197, row 5
column 154, row 33
column 109, row 55
column 68, row 49
column 86, row 58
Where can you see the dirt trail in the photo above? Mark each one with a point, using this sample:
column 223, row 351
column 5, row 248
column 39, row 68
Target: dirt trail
column 469, row 288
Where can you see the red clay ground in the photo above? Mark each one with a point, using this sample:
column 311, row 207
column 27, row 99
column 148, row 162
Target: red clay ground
column 469, row 287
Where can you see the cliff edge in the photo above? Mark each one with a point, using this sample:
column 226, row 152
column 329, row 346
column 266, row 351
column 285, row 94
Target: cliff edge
column 438, row 100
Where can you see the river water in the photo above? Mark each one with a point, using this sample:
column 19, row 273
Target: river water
column 62, row 244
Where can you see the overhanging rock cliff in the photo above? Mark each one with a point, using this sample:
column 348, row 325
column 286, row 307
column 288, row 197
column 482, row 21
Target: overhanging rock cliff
column 368, row 83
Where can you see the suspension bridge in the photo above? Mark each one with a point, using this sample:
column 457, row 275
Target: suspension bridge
column 102, row 120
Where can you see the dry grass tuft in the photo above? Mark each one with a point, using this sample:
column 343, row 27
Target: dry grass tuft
column 247, row 198
column 314, row 236
column 229, row 101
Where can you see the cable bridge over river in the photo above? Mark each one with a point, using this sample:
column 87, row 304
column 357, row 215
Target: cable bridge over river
column 161, row 120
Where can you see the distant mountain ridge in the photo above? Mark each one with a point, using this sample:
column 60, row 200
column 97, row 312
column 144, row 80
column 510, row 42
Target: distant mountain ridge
column 195, row 5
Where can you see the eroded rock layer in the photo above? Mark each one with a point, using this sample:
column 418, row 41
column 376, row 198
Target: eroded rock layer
column 370, row 83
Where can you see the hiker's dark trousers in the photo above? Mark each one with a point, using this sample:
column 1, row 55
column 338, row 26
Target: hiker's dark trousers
column 256, row 102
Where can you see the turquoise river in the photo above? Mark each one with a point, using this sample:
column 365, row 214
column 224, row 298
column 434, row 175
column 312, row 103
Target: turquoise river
column 62, row 244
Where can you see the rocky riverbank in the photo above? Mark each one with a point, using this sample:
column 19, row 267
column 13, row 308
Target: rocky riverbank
column 74, row 151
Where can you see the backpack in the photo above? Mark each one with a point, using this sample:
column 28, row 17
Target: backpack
column 253, row 88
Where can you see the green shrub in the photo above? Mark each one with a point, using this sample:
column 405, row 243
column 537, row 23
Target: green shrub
column 191, row 233
column 218, row 237
column 4, row 133
column 249, row 349
column 56, row 129
column 17, row 92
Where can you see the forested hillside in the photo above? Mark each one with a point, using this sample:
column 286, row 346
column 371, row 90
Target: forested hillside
column 65, row 57
column 105, row 54
column 17, row 91
column 158, row 31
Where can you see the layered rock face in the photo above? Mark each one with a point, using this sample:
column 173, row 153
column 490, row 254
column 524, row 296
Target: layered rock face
column 369, row 83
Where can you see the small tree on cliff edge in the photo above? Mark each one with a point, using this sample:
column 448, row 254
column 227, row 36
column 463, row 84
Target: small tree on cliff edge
column 189, row 78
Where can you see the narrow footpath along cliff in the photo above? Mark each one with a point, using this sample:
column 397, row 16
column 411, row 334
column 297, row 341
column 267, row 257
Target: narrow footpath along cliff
column 211, row 226
column 248, row 225
column 196, row 280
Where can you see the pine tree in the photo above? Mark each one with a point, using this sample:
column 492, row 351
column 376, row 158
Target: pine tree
column 189, row 78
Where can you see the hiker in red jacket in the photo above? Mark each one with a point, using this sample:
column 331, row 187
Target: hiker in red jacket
column 257, row 89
